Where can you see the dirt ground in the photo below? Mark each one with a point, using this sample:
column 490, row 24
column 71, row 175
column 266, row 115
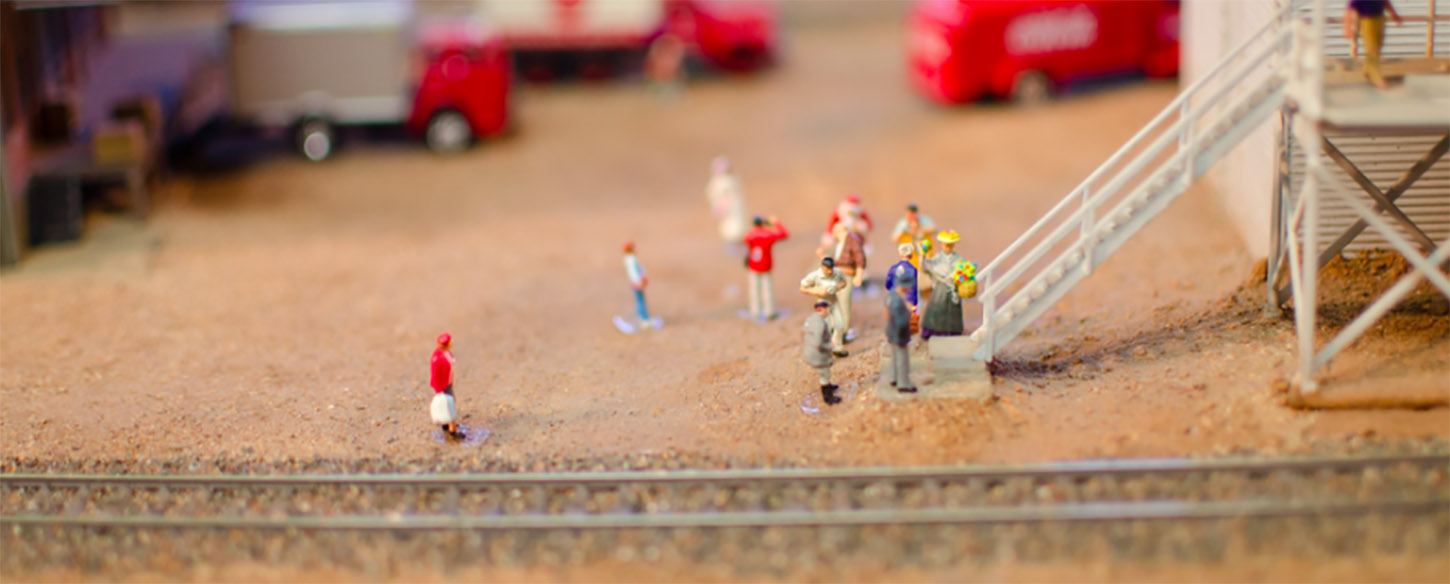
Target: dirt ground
column 289, row 309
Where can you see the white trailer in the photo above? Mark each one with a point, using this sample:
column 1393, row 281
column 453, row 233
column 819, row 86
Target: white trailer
column 574, row 24
column 313, row 65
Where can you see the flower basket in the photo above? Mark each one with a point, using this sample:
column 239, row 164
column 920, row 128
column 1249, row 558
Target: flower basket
column 964, row 275
column 967, row 289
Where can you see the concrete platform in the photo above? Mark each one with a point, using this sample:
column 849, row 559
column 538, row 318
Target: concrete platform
column 1419, row 101
column 941, row 369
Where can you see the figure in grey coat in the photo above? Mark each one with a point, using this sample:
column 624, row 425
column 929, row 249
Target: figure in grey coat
column 898, row 332
column 816, row 349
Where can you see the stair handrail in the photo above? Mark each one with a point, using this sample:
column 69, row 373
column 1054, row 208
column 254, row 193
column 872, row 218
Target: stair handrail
column 1132, row 143
column 992, row 286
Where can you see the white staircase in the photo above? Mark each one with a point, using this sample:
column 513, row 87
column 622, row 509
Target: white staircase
column 1191, row 134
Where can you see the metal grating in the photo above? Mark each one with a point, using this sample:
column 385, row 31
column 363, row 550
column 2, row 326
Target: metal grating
column 1384, row 158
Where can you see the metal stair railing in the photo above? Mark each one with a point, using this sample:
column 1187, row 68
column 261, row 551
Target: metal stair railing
column 1179, row 144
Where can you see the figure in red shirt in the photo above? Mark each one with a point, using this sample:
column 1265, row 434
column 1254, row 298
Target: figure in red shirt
column 442, row 408
column 853, row 215
column 443, row 365
column 759, row 263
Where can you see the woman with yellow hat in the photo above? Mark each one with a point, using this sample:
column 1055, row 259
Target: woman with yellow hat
column 943, row 315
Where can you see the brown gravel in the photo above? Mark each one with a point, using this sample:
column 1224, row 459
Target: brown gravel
column 289, row 308
column 286, row 311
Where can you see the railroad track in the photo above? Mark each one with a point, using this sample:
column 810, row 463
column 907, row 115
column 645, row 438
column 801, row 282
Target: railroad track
column 1093, row 491
column 735, row 524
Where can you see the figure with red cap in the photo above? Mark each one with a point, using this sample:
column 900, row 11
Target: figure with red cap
column 759, row 263
column 443, row 409
column 853, row 215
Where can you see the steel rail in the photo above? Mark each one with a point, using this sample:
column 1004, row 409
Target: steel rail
column 1077, row 512
column 1067, row 470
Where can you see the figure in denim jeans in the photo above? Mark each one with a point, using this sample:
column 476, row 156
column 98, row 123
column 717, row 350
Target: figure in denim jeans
column 638, row 281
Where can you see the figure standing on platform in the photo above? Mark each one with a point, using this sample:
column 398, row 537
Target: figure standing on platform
column 913, row 228
column 638, row 281
column 827, row 283
column 727, row 203
column 943, row 315
column 816, row 349
column 898, row 332
column 759, row 263
column 906, row 268
column 1367, row 17
column 443, row 409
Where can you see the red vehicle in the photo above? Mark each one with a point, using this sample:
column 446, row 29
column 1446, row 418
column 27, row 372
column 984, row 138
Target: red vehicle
column 735, row 35
column 962, row 50
column 311, row 67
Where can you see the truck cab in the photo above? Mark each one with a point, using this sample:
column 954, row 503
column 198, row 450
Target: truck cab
column 311, row 67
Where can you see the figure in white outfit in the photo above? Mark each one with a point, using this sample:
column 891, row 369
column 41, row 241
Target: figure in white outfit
column 727, row 203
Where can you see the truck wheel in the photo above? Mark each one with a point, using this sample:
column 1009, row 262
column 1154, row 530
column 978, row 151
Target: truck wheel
column 448, row 132
column 1031, row 88
column 316, row 139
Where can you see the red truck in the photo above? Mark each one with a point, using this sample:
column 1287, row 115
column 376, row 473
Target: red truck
column 311, row 67
column 962, row 50
column 547, row 35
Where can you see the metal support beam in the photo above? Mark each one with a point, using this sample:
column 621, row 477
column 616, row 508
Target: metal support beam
column 1384, row 204
column 1278, row 252
column 1424, row 268
column 1400, row 187
column 1395, row 240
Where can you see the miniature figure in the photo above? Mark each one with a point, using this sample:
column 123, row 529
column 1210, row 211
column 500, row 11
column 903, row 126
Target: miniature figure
column 826, row 283
column 898, row 332
column 854, row 215
column 816, row 349
column 638, row 281
column 759, row 263
column 1367, row 17
column 912, row 228
column 442, row 408
column 943, row 315
column 665, row 65
column 926, row 251
column 905, row 267
column 727, row 203
column 851, row 263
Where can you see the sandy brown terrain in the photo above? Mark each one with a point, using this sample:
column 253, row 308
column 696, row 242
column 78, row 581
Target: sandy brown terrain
column 288, row 309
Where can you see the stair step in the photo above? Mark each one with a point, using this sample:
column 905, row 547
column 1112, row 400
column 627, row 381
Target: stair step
column 1037, row 291
column 1054, row 274
column 1020, row 305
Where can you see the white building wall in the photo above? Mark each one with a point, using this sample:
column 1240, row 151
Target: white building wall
column 1244, row 178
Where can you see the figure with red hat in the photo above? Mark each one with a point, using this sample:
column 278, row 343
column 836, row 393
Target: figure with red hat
column 759, row 263
column 443, row 409
column 853, row 215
